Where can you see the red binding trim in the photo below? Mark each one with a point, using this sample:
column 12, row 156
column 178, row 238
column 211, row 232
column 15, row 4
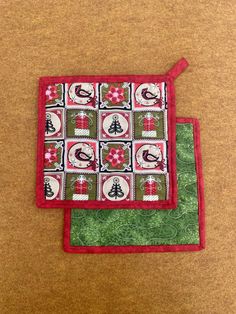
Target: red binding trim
column 168, row 204
column 178, row 68
column 153, row 248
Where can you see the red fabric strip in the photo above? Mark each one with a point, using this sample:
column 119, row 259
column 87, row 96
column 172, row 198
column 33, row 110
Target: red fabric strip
column 178, row 68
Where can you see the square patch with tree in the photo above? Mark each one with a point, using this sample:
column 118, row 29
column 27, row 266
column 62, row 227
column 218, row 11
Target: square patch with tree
column 116, row 187
column 115, row 125
column 54, row 124
column 53, row 185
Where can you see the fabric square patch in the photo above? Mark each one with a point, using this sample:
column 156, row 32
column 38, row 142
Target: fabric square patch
column 115, row 125
column 81, row 123
column 149, row 96
column 81, row 95
column 54, row 125
column 53, row 185
column 116, row 156
column 81, row 187
column 150, row 187
column 53, row 155
column 54, row 95
column 140, row 231
column 81, row 155
column 150, row 125
column 115, row 95
column 91, row 126
column 150, row 156
column 116, row 187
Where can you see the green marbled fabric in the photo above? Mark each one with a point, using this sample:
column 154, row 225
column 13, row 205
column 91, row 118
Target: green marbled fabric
column 147, row 227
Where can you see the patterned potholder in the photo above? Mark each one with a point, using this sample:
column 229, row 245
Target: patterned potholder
column 130, row 231
column 107, row 141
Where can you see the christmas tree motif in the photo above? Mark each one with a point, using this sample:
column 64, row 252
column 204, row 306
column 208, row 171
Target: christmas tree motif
column 49, row 128
column 116, row 190
column 47, row 188
column 115, row 126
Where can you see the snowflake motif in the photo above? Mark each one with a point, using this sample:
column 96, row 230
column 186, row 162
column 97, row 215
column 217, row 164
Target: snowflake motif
column 125, row 85
column 115, row 95
column 73, row 162
column 116, row 156
column 141, row 163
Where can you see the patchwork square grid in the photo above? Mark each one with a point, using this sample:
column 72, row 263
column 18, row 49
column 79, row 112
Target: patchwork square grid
column 113, row 140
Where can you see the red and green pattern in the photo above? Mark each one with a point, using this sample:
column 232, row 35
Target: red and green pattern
column 150, row 187
column 53, row 155
column 115, row 95
column 81, row 187
column 81, row 123
column 115, row 156
column 115, row 130
column 54, row 95
column 149, row 124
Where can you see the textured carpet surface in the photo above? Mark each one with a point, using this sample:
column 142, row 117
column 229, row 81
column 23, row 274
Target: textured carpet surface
column 41, row 38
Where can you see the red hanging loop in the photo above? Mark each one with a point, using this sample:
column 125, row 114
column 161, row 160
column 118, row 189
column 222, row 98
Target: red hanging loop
column 178, row 68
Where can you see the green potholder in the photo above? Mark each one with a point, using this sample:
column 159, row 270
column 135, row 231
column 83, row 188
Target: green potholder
column 124, row 231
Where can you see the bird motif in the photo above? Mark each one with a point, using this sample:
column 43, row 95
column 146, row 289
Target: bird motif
column 80, row 155
column 147, row 95
column 80, row 92
column 149, row 157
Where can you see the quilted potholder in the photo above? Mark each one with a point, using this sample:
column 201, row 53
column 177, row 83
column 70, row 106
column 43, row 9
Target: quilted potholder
column 107, row 141
column 130, row 231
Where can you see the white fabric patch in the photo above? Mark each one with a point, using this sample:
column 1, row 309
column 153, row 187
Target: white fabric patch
column 80, row 197
column 149, row 133
column 82, row 132
column 150, row 198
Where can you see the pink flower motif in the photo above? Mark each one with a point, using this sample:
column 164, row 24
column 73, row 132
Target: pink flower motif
column 116, row 156
column 50, row 156
column 51, row 92
column 115, row 94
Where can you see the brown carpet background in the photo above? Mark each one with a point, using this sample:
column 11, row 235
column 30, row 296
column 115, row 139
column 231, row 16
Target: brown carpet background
column 40, row 38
